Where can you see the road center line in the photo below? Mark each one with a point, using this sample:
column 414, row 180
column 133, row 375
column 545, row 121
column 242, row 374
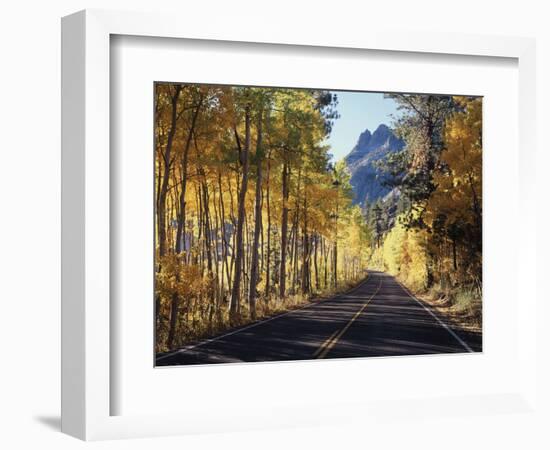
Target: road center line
column 324, row 344
column 332, row 341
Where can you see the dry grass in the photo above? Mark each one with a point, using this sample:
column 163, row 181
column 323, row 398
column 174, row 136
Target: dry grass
column 461, row 306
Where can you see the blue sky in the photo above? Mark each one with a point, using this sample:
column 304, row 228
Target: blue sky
column 358, row 111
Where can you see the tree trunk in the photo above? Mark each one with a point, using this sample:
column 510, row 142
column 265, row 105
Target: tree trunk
column 257, row 223
column 335, row 264
column 173, row 320
column 284, row 231
column 268, row 258
column 225, row 252
column 315, row 262
column 305, row 251
column 217, row 249
column 455, row 266
column 235, row 293
column 295, row 257
column 295, row 231
column 325, row 258
column 161, row 207
column 207, row 225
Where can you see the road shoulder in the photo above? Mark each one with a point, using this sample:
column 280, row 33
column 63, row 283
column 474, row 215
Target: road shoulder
column 471, row 336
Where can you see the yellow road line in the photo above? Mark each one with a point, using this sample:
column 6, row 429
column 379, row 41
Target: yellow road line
column 331, row 342
column 324, row 344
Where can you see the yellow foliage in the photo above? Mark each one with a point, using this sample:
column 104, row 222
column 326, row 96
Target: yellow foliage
column 177, row 278
column 403, row 254
column 458, row 193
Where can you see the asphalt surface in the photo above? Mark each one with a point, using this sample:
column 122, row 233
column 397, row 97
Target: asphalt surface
column 377, row 318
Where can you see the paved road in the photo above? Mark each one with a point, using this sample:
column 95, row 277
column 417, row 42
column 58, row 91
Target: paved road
column 378, row 318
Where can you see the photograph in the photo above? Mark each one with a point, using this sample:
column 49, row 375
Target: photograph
column 297, row 224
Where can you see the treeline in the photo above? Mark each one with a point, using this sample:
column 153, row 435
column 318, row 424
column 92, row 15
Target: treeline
column 429, row 230
column 250, row 214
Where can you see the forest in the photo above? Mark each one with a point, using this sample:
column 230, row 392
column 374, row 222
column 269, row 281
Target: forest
column 431, row 236
column 253, row 217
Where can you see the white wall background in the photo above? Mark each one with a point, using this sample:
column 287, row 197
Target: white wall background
column 30, row 198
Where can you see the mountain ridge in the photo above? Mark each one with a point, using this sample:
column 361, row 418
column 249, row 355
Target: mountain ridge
column 366, row 178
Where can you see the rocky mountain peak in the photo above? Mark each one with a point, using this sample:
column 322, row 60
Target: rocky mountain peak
column 364, row 138
column 366, row 178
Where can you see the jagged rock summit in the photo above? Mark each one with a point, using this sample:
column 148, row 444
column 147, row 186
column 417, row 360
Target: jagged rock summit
column 366, row 178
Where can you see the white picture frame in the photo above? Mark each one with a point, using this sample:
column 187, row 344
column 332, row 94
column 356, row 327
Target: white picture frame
column 86, row 246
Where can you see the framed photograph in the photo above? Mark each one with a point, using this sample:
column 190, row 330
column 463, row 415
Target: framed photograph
column 252, row 218
column 274, row 244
